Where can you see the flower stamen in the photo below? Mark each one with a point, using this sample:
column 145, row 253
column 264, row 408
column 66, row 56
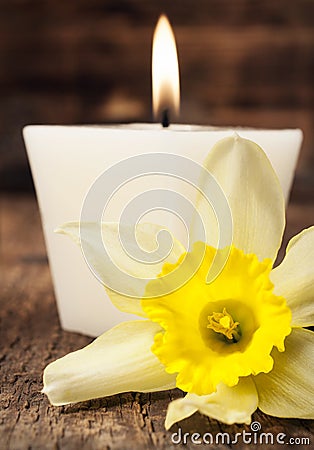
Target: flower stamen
column 223, row 323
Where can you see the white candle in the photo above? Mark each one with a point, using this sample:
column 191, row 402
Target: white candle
column 66, row 160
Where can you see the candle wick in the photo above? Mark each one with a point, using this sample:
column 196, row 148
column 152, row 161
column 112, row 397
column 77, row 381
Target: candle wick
column 165, row 118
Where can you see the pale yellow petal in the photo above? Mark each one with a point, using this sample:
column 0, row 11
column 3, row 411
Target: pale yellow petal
column 180, row 409
column 288, row 390
column 118, row 361
column 294, row 278
column 122, row 260
column 254, row 195
column 229, row 404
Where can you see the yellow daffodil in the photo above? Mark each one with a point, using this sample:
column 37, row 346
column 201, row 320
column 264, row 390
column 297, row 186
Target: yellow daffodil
column 233, row 344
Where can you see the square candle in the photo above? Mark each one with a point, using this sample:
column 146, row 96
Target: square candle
column 66, row 160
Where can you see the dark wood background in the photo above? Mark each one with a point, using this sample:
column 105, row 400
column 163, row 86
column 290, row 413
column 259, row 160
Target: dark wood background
column 243, row 62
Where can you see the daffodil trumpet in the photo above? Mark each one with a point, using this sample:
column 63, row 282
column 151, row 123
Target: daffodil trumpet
column 234, row 344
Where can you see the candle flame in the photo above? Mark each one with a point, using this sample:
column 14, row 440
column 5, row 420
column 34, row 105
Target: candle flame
column 165, row 70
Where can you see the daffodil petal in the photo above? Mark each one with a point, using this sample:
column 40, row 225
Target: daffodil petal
column 114, row 254
column 254, row 195
column 288, row 390
column 294, row 278
column 181, row 408
column 229, row 404
column 118, row 361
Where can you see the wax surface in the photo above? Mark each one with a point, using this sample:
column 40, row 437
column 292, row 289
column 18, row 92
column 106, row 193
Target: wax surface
column 66, row 160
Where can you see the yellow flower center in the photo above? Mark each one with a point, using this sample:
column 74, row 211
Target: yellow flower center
column 221, row 331
column 223, row 323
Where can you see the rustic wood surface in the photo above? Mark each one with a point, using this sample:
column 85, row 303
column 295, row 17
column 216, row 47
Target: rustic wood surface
column 31, row 337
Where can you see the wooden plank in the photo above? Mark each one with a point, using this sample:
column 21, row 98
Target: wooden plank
column 31, row 337
column 242, row 63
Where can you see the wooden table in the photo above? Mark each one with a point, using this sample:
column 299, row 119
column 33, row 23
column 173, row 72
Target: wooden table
column 31, row 337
